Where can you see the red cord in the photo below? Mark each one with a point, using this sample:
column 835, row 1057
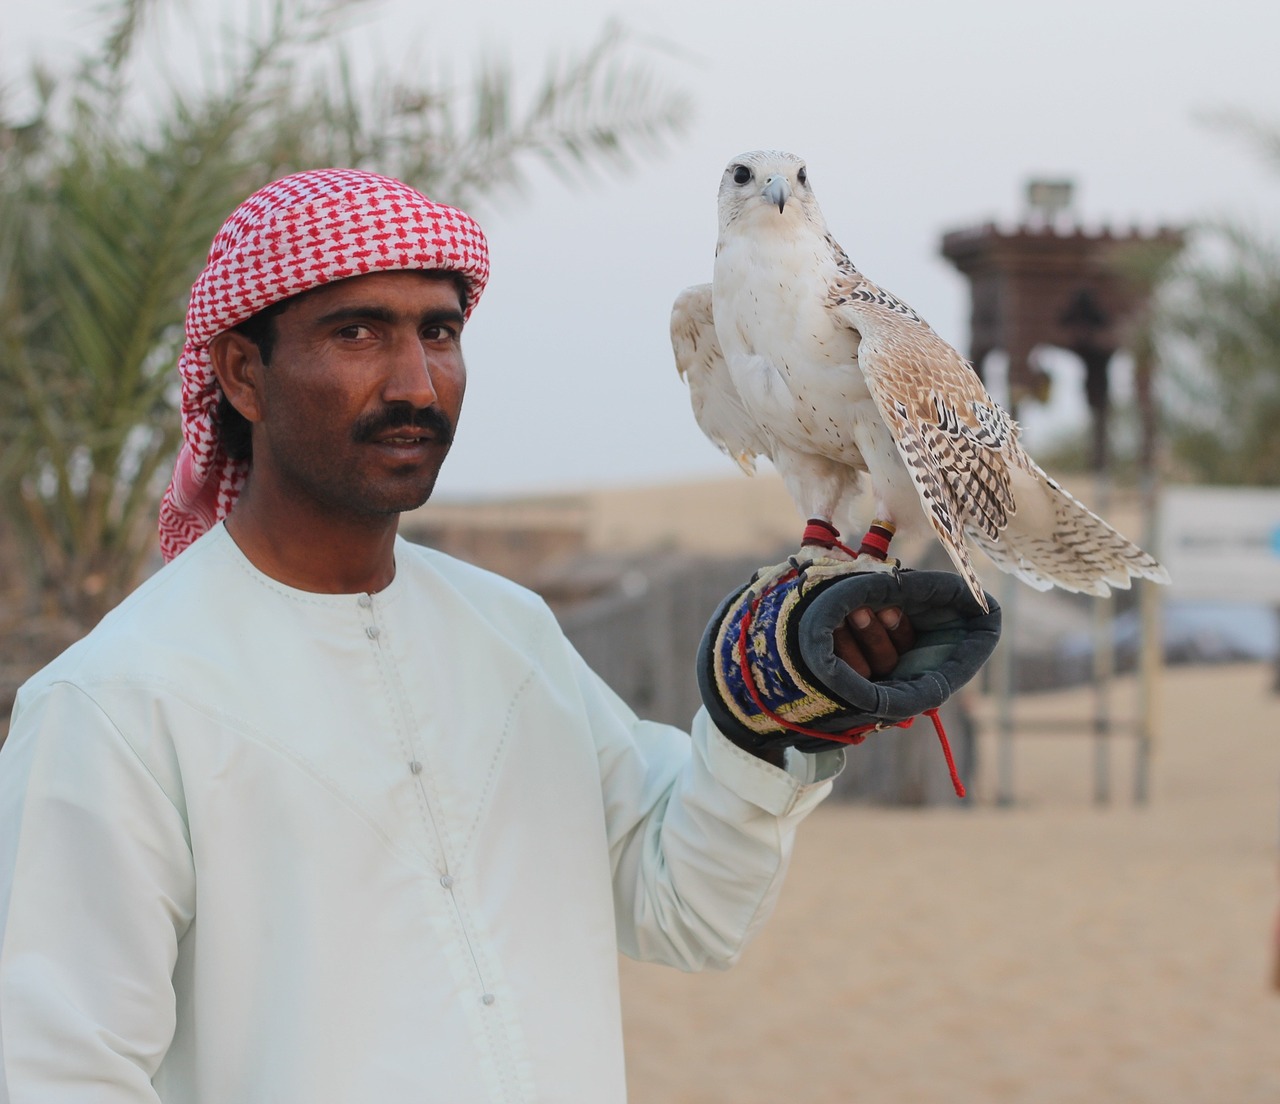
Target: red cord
column 825, row 535
column 850, row 736
column 819, row 532
column 956, row 784
column 875, row 544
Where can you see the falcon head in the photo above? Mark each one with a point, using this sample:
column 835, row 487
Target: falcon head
column 769, row 188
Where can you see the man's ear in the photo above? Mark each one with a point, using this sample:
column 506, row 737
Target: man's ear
column 237, row 365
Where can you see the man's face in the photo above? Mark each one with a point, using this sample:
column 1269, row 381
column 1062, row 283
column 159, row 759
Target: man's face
column 362, row 394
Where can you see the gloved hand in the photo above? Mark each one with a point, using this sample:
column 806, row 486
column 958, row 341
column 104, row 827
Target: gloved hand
column 790, row 689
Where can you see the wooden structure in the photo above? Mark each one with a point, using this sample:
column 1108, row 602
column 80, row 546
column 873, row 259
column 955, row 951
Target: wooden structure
column 1082, row 291
column 1043, row 283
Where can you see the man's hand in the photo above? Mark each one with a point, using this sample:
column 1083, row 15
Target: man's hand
column 872, row 643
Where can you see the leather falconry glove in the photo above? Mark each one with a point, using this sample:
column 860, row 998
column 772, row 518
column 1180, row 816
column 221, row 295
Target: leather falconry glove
column 767, row 669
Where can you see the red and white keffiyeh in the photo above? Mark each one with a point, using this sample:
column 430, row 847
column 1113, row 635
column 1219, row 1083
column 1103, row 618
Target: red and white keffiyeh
column 295, row 234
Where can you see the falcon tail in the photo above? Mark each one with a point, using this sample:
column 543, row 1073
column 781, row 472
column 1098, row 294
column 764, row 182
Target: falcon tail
column 1055, row 540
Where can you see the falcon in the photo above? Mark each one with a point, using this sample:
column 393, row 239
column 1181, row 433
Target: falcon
column 792, row 354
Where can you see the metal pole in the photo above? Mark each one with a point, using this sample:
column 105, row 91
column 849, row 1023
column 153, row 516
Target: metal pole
column 1151, row 662
column 1151, row 642
column 1097, row 367
column 1150, row 666
column 1103, row 670
column 1005, row 673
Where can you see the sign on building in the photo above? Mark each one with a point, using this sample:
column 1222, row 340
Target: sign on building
column 1222, row 542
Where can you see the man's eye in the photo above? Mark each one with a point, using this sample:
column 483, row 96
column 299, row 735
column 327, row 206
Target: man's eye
column 355, row 332
column 439, row 333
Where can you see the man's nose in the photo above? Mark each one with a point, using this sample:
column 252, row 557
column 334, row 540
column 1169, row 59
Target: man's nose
column 410, row 379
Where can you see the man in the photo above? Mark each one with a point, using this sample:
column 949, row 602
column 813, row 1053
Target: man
column 318, row 815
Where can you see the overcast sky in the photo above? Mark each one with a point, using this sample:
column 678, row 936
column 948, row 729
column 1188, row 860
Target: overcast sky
column 915, row 118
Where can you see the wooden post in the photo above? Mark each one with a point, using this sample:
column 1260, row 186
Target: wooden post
column 1150, row 642
column 1005, row 681
column 1275, row 956
column 1088, row 320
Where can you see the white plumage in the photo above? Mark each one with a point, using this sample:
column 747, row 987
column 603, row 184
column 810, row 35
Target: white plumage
column 791, row 353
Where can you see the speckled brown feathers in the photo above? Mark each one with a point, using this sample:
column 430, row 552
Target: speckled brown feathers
column 963, row 454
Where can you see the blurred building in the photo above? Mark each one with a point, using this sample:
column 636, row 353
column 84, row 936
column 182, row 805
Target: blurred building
column 534, row 539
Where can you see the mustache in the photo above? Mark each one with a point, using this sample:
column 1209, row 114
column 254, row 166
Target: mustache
column 403, row 415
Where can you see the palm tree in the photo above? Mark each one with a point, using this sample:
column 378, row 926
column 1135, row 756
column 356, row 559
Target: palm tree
column 108, row 201
column 1215, row 331
column 1221, row 332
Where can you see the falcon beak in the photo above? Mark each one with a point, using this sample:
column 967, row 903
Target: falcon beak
column 777, row 191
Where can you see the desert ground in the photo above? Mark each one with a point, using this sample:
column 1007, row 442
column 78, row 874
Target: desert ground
column 1048, row 951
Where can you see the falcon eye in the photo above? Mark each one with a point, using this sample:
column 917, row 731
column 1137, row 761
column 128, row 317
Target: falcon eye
column 741, row 175
column 802, row 176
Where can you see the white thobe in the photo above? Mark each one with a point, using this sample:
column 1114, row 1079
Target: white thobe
column 259, row 844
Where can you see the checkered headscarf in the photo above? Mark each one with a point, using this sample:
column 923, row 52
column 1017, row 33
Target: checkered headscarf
column 295, row 234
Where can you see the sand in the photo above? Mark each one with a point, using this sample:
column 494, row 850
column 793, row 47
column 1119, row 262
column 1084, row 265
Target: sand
column 1049, row 952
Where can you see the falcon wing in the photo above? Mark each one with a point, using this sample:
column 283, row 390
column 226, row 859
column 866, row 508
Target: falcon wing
column 959, row 447
column 717, row 406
